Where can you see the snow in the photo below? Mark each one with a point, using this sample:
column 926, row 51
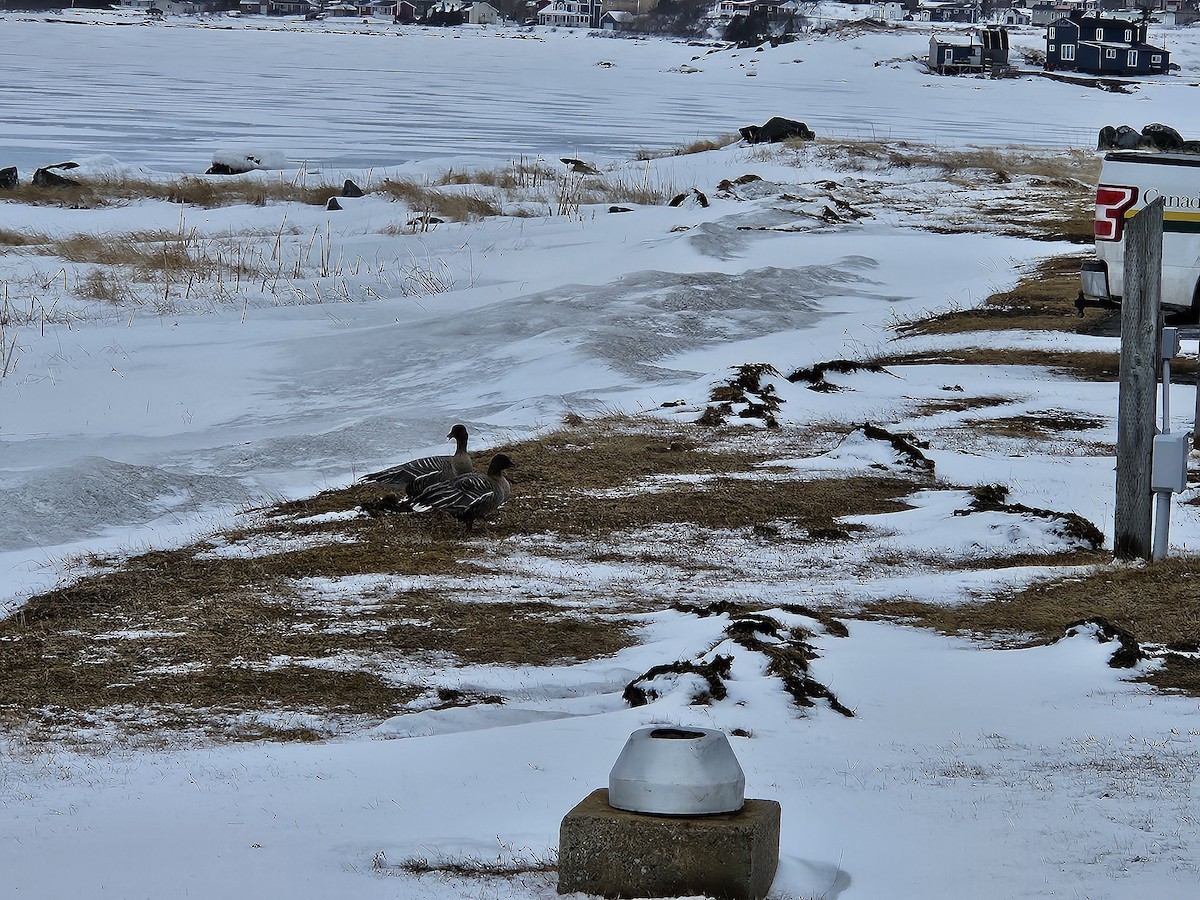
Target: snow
column 1037, row 772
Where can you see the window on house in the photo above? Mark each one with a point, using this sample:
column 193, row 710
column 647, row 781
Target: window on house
column 1110, row 53
column 1099, row 34
column 1068, row 52
column 1131, row 60
column 1156, row 59
column 1129, row 34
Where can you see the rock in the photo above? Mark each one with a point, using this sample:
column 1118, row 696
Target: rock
column 45, row 178
column 694, row 197
column 8, row 178
column 238, row 161
column 350, row 189
column 619, row 209
column 1107, row 139
column 1163, row 138
column 776, row 129
column 1127, row 138
column 332, row 204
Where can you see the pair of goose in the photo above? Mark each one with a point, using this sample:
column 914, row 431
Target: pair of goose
column 449, row 483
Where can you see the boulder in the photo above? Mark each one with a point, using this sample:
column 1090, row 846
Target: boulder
column 694, row 197
column 1127, row 138
column 44, row 177
column 332, row 204
column 350, row 189
column 776, row 129
column 8, row 178
column 1163, row 138
column 239, row 161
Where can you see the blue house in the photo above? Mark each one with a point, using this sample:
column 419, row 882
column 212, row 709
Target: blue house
column 1100, row 46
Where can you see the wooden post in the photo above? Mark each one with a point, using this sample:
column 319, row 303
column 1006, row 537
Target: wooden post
column 1140, row 327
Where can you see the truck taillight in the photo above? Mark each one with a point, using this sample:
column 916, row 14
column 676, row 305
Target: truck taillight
column 1112, row 202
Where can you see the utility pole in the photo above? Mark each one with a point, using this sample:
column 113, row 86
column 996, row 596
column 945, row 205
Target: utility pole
column 1140, row 356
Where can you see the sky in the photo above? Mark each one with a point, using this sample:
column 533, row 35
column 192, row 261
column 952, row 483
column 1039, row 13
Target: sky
column 1022, row 773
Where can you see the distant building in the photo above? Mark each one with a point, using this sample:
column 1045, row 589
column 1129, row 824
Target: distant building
column 985, row 50
column 1045, row 13
column 1103, row 46
column 617, row 20
column 571, row 14
column 950, row 11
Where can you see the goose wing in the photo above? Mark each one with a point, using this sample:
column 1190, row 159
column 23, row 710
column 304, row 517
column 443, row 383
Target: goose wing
column 415, row 475
column 466, row 496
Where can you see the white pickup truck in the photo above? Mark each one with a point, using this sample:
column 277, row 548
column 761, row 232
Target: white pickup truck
column 1129, row 179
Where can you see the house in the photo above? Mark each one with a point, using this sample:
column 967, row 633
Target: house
column 950, row 11
column 1016, row 16
column 571, row 14
column 635, row 7
column 1045, row 13
column 889, row 11
column 985, row 50
column 1103, row 46
column 617, row 20
column 482, row 14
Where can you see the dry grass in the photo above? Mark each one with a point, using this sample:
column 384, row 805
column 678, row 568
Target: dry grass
column 11, row 238
column 454, row 206
column 196, row 640
column 208, row 192
column 1083, row 365
column 1158, row 604
column 1043, row 300
column 1039, row 425
column 1000, row 164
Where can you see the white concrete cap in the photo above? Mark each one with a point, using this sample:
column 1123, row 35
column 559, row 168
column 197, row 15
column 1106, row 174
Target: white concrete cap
column 677, row 772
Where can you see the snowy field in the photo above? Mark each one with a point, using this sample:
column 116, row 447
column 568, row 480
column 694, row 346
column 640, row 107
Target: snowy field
column 993, row 774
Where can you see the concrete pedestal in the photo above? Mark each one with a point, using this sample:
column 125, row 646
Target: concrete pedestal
column 614, row 853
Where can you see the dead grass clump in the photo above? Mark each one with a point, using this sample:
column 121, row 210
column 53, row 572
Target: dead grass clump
column 959, row 404
column 104, row 286
column 1159, row 604
column 11, row 238
column 450, row 205
column 1085, row 365
column 715, row 673
column 1043, row 300
column 1039, row 425
column 206, row 192
column 992, row 497
column 521, row 175
column 704, row 145
column 815, row 375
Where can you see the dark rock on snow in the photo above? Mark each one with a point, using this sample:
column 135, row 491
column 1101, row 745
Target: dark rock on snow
column 45, row 178
column 694, row 197
column 776, row 129
column 350, row 189
column 332, row 204
column 8, row 178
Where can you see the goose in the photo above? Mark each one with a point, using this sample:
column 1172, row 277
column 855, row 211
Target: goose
column 468, row 497
column 417, row 475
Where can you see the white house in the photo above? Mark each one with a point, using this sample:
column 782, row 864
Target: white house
column 483, row 14
column 567, row 14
